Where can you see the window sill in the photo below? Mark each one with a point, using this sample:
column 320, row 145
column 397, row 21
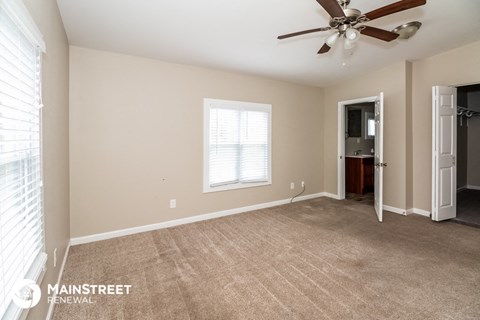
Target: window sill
column 208, row 189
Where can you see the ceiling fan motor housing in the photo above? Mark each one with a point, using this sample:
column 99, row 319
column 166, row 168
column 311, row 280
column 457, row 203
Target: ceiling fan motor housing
column 351, row 16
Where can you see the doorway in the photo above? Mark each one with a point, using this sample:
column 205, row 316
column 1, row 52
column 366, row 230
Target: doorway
column 360, row 151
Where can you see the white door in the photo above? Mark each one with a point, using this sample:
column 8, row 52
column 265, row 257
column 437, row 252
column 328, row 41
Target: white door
column 444, row 150
column 379, row 164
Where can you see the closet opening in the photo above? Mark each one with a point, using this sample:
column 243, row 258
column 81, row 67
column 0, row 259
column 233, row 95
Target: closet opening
column 468, row 155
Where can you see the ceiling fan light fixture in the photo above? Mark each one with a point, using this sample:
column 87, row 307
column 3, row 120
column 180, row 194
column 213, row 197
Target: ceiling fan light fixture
column 352, row 34
column 348, row 44
column 407, row 30
column 332, row 39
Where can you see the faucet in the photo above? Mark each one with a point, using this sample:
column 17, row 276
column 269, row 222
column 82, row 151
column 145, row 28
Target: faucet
column 357, row 153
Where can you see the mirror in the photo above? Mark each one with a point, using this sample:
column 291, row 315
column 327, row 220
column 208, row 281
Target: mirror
column 354, row 122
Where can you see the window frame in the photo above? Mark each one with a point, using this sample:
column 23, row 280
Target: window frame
column 236, row 105
column 18, row 13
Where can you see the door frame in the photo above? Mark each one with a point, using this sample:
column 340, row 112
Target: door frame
column 341, row 141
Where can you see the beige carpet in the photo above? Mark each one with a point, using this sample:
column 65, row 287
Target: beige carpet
column 317, row 259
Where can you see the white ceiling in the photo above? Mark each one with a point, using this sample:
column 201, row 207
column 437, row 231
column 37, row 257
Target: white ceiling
column 241, row 35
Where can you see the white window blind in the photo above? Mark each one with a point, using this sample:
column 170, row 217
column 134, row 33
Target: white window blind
column 21, row 221
column 237, row 146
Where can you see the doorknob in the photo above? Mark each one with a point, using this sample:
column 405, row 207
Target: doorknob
column 378, row 164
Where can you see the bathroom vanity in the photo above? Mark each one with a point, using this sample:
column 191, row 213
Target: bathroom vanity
column 359, row 174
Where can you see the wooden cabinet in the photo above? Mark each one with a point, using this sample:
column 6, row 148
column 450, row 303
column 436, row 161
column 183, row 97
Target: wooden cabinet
column 359, row 174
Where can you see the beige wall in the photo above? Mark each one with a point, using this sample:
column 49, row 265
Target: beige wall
column 455, row 67
column 136, row 139
column 409, row 135
column 392, row 81
column 55, row 140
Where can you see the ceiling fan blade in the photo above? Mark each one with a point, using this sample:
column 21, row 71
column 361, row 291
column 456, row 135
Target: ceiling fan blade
column 394, row 8
column 332, row 7
column 325, row 48
column 302, row 32
column 379, row 33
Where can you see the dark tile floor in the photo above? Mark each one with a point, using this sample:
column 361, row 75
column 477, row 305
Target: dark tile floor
column 468, row 207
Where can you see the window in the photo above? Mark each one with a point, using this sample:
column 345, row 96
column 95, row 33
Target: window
column 21, row 218
column 369, row 125
column 237, row 146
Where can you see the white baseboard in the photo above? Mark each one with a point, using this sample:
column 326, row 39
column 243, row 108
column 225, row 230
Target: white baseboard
column 330, row 195
column 51, row 307
column 385, row 207
column 302, row 198
column 419, row 212
column 177, row 222
column 395, row 210
column 472, row 187
column 461, row 188
column 218, row 214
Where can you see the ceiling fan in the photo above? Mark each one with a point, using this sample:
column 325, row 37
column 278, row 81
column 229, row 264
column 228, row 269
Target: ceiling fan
column 349, row 22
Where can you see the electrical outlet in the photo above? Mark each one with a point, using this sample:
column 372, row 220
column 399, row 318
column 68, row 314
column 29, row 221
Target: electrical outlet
column 303, row 184
column 292, row 185
column 173, row 203
column 55, row 257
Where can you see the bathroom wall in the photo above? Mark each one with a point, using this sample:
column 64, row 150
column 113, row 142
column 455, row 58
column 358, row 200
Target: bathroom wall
column 353, row 144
